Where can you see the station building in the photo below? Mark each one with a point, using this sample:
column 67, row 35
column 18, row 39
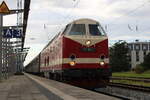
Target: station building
column 137, row 51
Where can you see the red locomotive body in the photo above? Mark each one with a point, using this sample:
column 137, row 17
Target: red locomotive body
column 78, row 55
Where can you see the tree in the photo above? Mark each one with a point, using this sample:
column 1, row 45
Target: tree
column 119, row 60
column 146, row 63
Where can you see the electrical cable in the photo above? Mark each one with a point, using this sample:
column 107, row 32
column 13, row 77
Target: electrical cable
column 128, row 13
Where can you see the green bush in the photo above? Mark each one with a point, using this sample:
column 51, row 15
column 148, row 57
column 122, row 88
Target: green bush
column 139, row 69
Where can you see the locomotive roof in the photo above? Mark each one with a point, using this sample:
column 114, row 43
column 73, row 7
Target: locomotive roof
column 83, row 21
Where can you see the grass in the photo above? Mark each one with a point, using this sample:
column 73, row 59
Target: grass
column 146, row 74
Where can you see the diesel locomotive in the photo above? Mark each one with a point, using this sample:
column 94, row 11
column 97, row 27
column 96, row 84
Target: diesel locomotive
column 77, row 55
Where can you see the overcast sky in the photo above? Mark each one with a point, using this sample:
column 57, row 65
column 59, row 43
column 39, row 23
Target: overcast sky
column 125, row 19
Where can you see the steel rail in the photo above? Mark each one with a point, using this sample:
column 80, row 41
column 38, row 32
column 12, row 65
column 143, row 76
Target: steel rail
column 113, row 95
column 146, row 80
column 132, row 87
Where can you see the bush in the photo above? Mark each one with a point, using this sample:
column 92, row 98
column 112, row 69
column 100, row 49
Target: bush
column 139, row 69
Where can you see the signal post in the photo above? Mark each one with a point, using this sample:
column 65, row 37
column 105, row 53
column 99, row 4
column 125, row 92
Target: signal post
column 1, row 48
column 3, row 63
column 6, row 48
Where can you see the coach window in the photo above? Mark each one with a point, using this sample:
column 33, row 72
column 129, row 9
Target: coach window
column 45, row 61
column 96, row 30
column 48, row 60
column 77, row 29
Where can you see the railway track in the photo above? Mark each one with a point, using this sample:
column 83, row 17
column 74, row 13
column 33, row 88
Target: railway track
column 132, row 87
column 146, row 80
column 113, row 95
column 130, row 77
column 126, row 91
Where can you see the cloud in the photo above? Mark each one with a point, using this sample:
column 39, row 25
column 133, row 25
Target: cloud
column 33, row 52
column 12, row 4
column 54, row 14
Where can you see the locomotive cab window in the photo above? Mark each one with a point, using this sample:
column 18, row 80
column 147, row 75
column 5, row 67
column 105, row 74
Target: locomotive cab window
column 66, row 29
column 96, row 30
column 77, row 29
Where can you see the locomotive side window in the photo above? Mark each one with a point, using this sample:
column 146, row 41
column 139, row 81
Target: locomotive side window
column 78, row 29
column 45, row 61
column 96, row 30
column 48, row 60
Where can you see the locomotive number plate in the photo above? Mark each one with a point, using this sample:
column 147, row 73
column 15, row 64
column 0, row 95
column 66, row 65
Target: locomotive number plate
column 88, row 49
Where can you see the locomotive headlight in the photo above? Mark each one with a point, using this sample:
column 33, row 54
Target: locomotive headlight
column 72, row 63
column 102, row 63
column 88, row 42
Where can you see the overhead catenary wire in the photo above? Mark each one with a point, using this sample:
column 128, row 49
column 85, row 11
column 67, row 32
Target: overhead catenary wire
column 135, row 28
column 66, row 17
column 128, row 13
column 68, row 14
column 75, row 5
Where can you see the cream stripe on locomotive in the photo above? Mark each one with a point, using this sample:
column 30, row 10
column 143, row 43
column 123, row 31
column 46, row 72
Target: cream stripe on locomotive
column 82, row 39
column 85, row 60
column 77, row 60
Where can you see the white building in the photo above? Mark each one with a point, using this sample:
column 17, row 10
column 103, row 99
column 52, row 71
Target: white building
column 137, row 52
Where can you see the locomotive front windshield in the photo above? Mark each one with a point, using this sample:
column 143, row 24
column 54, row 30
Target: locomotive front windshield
column 78, row 29
column 96, row 30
